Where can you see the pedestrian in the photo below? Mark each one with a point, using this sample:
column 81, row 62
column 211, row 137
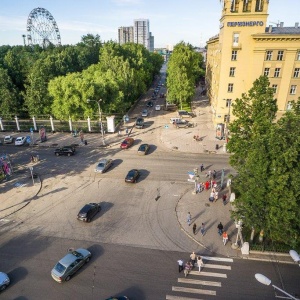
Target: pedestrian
column 198, row 187
column 202, row 167
column 119, row 132
column 202, row 229
column 180, row 265
column 220, row 228
column 187, row 268
column 193, row 258
column 207, row 185
column 194, row 228
column 209, row 174
column 189, row 218
column 211, row 197
column 127, row 131
column 199, row 263
column 224, row 197
column 214, row 174
column 225, row 237
column 216, row 196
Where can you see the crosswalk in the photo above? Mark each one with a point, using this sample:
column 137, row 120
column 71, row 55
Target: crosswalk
column 201, row 284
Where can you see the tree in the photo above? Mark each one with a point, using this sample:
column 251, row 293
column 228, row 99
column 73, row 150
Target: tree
column 266, row 155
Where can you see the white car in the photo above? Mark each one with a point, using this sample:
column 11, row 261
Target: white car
column 8, row 139
column 157, row 107
column 20, row 140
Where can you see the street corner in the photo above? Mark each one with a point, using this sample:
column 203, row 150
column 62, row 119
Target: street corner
column 18, row 193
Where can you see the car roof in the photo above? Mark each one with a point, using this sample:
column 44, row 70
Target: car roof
column 72, row 256
column 103, row 160
column 87, row 207
column 3, row 276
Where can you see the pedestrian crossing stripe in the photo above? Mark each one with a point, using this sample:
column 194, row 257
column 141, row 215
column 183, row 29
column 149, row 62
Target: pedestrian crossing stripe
column 170, row 297
column 212, row 266
column 201, row 282
column 210, row 274
column 195, row 291
column 217, row 258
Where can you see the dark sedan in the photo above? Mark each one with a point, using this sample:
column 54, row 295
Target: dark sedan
column 88, row 212
column 143, row 149
column 149, row 104
column 64, row 151
column 132, row 176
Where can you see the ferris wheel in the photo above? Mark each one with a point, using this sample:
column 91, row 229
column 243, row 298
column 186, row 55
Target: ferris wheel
column 42, row 28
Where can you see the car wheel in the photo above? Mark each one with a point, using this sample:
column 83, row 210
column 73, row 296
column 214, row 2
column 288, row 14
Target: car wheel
column 69, row 154
column 68, row 278
column 57, row 154
column 87, row 260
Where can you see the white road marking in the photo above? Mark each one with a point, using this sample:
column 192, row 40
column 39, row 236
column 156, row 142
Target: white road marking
column 212, row 266
column 170, row 297
column 217, row 258
column 202, row 282
column 221, row 275
column 193, row 291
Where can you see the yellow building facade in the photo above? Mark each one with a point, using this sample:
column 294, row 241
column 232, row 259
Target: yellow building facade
column 247, row 48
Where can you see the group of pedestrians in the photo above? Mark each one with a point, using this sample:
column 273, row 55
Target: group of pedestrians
column 202, row 227
column 222, row 233
column 189, row 265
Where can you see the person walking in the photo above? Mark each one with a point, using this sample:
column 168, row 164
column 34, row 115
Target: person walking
column 180, row 265
column 225, row 237
column 214, row 174
column 199, row 263
column 187, row 268
column 224, row 198
column 198, row 187
column 201, row 168
column 194, row 228
column 202, row 229
column 220, row 229
column 127, row 131
column 193, row 258
column 209, row 174
column 189, row 218
column 216, row 196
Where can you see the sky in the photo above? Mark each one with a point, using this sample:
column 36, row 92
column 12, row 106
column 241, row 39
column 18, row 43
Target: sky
column 171, row 21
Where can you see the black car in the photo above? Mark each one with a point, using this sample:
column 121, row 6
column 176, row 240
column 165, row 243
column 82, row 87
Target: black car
column 150, row 104
column 139, row 123
column 64, row 151
column 143, row 149
column 132, row 176
column 88, row 212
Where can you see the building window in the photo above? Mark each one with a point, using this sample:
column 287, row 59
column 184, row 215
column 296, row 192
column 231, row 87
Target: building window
column 259, row 5
column 298, row 55
column 228, row 102
column 232, row 72
column 234, row 55
column 230, row 88
column 293, row 89
column 246, row 6
column 280, row 55
column 296, row 72
column 234, row 6
column 289, row 105
column 267, row 72
column 269, row 55
column 236, row 37
column 277, row 72
column 274, row 87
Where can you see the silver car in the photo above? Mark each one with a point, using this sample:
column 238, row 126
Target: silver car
column 4, row 281
column 8, row 139
column 103, row 165
column 70, row 264
column 145, row 113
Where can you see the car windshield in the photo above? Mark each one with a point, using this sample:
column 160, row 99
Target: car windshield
column 131, row 173
column 101, row 165
column 142, row 147
column 60, row 268
column 125, row 142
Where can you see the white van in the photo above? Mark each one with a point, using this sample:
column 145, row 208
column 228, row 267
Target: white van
column 175, row 119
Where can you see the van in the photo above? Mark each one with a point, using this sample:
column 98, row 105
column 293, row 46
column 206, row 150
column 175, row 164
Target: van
column 176, row 120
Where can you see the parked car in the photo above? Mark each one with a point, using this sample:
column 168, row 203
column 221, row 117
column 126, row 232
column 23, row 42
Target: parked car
column 70, row 264
column 4, row 281
column 149, row 104
column 72, row 147
column 132, row 176
column 139, row 123
column 145, row 113
column 8, row 139
column 183, row 124
column 64, row 151
column 185, row 114
column 157, row 107
column 143, row 149
column 20, row 140
column 128, row 142
column 103, row 165
column 88, row 212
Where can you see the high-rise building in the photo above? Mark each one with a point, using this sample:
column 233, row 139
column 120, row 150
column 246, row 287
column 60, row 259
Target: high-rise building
column 141, row 32
column 151, row 42
column 125, row 35
column 247, row 48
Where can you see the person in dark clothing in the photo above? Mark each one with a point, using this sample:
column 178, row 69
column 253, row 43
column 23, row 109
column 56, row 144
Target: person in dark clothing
column 220, row 228
column 194, row 228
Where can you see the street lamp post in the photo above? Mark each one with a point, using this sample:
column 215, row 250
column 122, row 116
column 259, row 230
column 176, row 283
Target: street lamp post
column 266, row 281
column 100, row 117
